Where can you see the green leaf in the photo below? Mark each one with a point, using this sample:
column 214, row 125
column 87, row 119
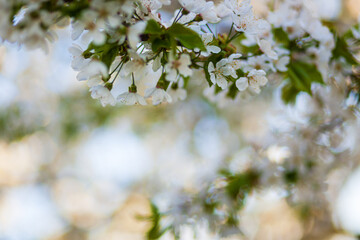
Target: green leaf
column 289, row 93
column 159, row 42
column 241, row 184
column 155, row 231
column 153, row 27
column 281, row 36
column 187, row 37
column 233, row 90
column 74, row 8
column 301, row 76
column 342, row 50
column 109, row 55
column 291, row 176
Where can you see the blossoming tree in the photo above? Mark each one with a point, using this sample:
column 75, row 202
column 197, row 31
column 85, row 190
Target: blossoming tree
column 132, row 52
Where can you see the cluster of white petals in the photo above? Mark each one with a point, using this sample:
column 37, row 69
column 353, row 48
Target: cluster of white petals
column 134, row 45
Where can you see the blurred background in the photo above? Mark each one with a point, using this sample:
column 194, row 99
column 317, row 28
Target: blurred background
column 71, row 169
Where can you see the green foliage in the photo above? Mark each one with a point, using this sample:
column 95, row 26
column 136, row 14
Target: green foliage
column 241, row 184
column 158, row 37
column 161, row 38
column 187, row 37
column 161, row 41
column 291, row 176
column 14, row 125
column 153, row 27
column 289, row 93
column 80, row 113
column 342, row 50
column 156, row 231
column 281, row 37
column 74, row 8
column 105, row 53
column 232, row 91
column 301, row 76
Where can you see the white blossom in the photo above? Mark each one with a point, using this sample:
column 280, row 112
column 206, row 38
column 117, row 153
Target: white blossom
column 158, row 95
column 134, row 33
column 242, row 83
column 257, row 79
column 266, row 47
column 219, row 73
column 92, row 69
column 137, row 65
column 281, row 64
column 131, row 98
column 207, row 39
column 103, row 94
column 178, row 66
column 178, row 94
column 78, row 62
column 205, row 9
column 254, row 80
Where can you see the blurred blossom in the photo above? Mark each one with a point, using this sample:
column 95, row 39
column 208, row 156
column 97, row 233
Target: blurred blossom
column 125, row 223
column 27, row 212
column 242, row 160
column 70, row 169
column 267, row 216
column 19, row 161
column 347, row 205
column 8, row 92
column 278, row 154
column 341, row 237
column 328, row 9
column 115, row 154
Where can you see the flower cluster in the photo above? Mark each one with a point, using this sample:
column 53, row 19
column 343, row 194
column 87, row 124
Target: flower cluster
column 132, row 52
column 145, row 49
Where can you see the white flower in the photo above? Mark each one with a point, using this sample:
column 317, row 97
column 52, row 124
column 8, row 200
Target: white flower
column 78, row 62
column 209, row 13
column 178, row 94
column 178, row 66
column 136, row 64
column 205, row 9
column 89, row 21
column 195, row 6
column 218, row 74
column 249, row 24
column 243, row 17
column 131, row 98
column 152, row 6
column 207, row 39
column 95, row 80
column 257, row 79
column 233, row 62
column 266, row 47
column 158, row 95
column 238, row 7
column 282, row 63
column 242, row 83
column 257, row 62
column 92, row 69
column 103, row 94
column 254, row 80
column 108, row 12
column 134, row 33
